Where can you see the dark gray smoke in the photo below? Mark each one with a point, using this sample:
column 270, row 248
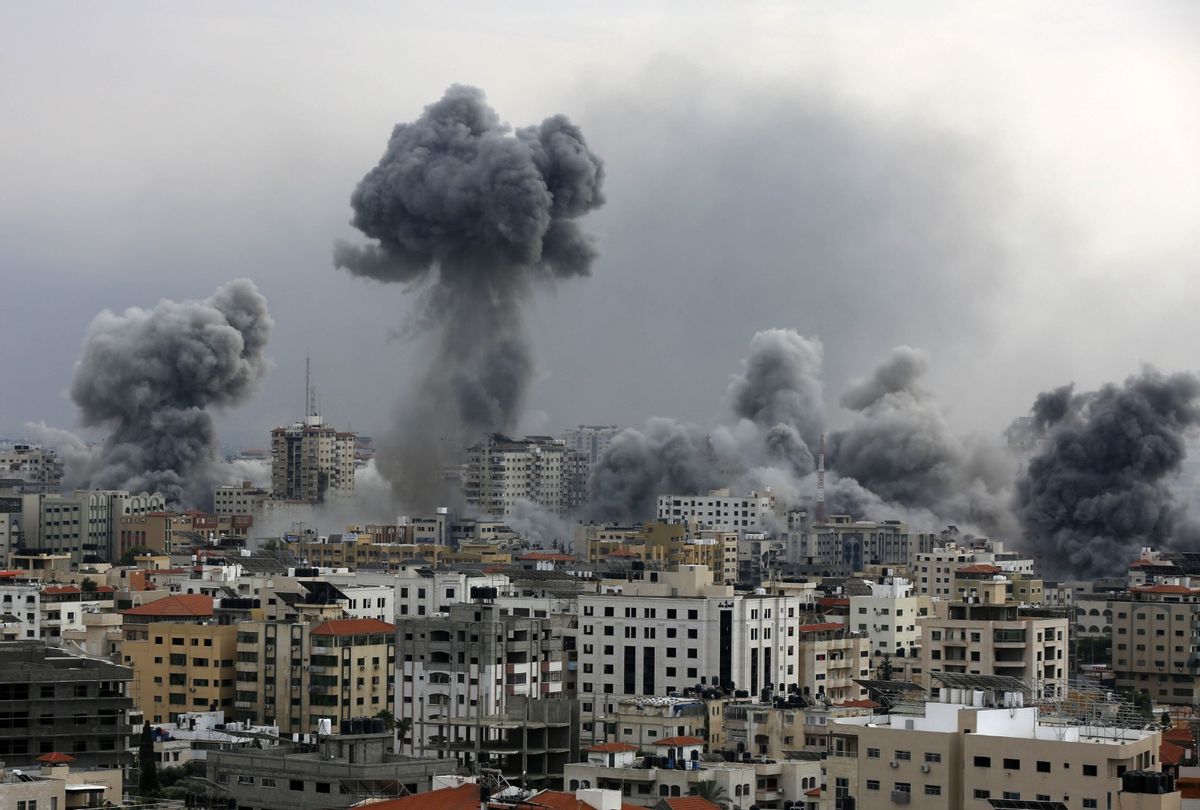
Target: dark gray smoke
column 901, row 449
column 1098, row 487
column 776, row 399
column 151, row 376
column 481, row 214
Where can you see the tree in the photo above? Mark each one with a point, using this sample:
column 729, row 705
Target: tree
column 130, row 557
column 1167, row 722
column 711, row 790
column 88, row 585
column 886, row 672
column 147, row 764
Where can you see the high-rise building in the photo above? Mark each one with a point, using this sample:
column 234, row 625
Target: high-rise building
column 27, row 468
column 311, row 462
column 590, row 440
column 501, row 472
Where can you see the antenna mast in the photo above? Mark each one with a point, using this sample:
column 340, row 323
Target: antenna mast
column 820, row 510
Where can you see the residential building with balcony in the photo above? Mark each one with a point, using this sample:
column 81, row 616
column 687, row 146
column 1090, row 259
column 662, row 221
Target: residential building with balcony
column 1156, row 641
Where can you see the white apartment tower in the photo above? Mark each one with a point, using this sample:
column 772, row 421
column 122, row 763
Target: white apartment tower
column 590, row 440
column 501, row 471
column 311, row 462
column 719, row 510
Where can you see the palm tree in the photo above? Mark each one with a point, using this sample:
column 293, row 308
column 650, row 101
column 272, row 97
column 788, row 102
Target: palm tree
column 711, row 790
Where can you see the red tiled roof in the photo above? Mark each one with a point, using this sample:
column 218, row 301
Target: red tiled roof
column 463, row 797
column 612, row 748
column 1163, row 589
column 560, row 800
column 352, row 627
column 184, row 604
column 621, row 552
column 1141, row 563
column 105, row 589
column 1179, row 734
column 691, row 803
column 679, row 741
column 813, row 792
column 56, row 758
column 833, row 601
column 858, row 704
column 1170, row 754
column 539, row 555
column 56, row 590
column 980, row 568
column 819, row 627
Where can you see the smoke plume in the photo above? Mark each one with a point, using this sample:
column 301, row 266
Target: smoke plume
column 479, row 215
column 776, row 399
column 901, row 448
column 151, row 376
column 1097, row 488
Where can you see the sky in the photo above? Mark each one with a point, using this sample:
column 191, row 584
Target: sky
column 1013, row 188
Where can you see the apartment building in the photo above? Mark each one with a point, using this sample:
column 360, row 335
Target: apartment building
column 501, row 472
column 56, row 701
column 1019, row 587
column 996, row 637
column 470, row 659
column 676, row 629
column 830, row 658
column 889, row 616
column 239, row 500
column 590, row 441
column 84, row 524
column 1154, row 641
column 311, row 462
column 719, row 510
column 295, row 673
column 977, row 746
column 29, row 468
column 182, row 659
column 355, row 550
column 21, row 604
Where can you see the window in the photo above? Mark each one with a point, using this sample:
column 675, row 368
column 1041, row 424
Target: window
column 296, row 784
column 1012, row 764
column 1089, row 770
column 322, row 787
column 930, row 756
column 1014, row 795
column 1043, row 766
column 933, row 790
column 982, row 794
column 983, row 762
column 1089, row 803
column 873, row 753
column 872, row 784
column 902, row 787
column 267, row 781
column 904, row 755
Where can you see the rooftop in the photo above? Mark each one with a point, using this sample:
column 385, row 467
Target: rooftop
column 352, row 627
column 191, row 605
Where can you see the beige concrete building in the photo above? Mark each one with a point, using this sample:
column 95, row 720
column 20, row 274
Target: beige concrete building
column 995, row 637
column 1154, row 642
column 311, row 462
column 182, row 660
column 831, row 657
column 957, row 754
column 293, row 674
column 889, row 616
column 500, row 472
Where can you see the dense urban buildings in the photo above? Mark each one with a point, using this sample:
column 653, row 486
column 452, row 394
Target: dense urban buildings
column 501, row 472
column 590, row 440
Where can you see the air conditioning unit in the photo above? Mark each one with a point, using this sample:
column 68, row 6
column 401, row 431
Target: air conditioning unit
column 894, row 764
column 924, row 769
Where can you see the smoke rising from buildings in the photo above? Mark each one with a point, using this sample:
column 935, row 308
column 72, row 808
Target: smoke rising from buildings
column 152, row 376
column 1097, row 487
column 477, row 214
column 898, row 459
column 900, row 448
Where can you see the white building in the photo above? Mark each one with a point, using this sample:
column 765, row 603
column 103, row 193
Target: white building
column 30, row 468
column 590, row 440
column 889, row 618
column 719, row 510
column 24, row 604
column 676, row 629
column 501, row 472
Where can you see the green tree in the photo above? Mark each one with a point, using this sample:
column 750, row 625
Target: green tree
column 88, row 585
column 711, row 790
column 886, row 672
column 1167, row 722
column 147, row 764
column 129, row 557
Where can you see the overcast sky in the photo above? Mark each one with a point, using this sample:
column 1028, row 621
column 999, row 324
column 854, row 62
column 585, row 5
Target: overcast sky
column 1014, row 188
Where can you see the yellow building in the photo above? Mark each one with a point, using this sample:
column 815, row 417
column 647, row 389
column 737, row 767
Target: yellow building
column 487, row 553
column 182, row 659
column 297, row 673
column 668, row 544
column 355, row 550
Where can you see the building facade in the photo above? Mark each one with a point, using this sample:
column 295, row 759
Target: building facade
column 311, row 462
column 719, row 510
column 502, row 472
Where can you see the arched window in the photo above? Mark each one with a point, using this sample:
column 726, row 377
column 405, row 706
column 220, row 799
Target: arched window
column 663, row 790
column 737, row 790
column 674, row 790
